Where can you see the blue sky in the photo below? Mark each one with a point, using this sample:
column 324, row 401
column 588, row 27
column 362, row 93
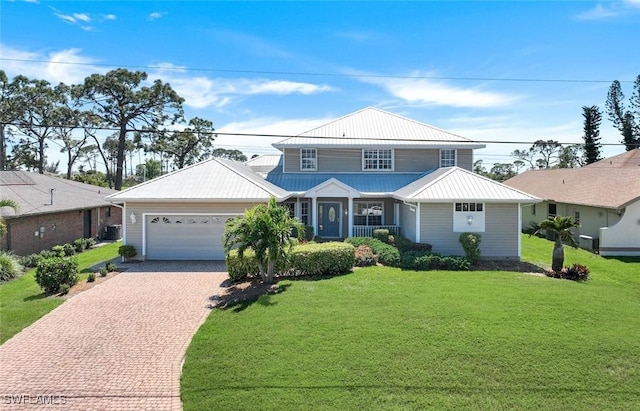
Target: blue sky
column 286, row 67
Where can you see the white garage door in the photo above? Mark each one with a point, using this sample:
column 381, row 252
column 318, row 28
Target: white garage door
column 185, row 237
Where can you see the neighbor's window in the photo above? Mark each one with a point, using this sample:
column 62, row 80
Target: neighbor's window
column 552, row 210
column 107, row 212
column 367, row 213
column 308, row 159
column 577, row 216
column 377, row 159
column 533, row 209
column 447, row 158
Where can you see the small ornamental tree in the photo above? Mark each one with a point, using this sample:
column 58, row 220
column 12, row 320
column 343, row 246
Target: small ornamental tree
column 561, row 226
column 471, row 245
column 268, row 230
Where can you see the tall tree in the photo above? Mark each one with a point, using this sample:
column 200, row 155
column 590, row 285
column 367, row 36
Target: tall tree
column 45, row 111
column 183, row 147
column 625, row 120
column 11, row 109
column 236, row 155
column 592, row 146
column 571, row 156
column 121, row 101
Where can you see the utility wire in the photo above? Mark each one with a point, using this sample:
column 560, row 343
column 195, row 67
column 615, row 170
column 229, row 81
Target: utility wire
column 316, row 74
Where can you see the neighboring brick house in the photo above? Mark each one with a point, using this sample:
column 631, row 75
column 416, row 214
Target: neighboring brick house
column 52, row 211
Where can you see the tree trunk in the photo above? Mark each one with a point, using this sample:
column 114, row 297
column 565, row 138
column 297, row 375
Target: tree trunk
column 120, row 157
column 558, row 255
column 270, row 268
column 3, row 149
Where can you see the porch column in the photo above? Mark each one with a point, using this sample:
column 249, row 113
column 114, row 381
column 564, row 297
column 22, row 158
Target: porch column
column 418, row 222
column 298, row 213
column 313, row 212
column 350, row 217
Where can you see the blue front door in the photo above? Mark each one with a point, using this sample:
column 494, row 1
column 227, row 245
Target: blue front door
column 329, row 219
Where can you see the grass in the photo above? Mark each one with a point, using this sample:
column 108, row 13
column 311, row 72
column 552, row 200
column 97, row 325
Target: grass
column 22, row 301
column 382, row 338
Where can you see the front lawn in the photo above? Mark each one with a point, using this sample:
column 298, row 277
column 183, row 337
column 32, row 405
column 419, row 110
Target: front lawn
column 22, row 301
column 382, row 338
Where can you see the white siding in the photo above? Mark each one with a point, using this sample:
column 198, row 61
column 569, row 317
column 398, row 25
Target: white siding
column 408, row 222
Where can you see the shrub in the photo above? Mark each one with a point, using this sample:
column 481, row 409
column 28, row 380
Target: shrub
column 387, row 254
column 381, row 234
column 9, row 266
column 68, row 250
column 365, row 256
column 322, row 259
column 576, row 272
column 52, row 273
column 58, row 251
column 308, row 233
column 471, row 245
column 79, row 244
column 103, row 271
column 110, row 267
column 30, row 260
column 247, row 266
column 47, row 254
column 423, row 261
column 127, row 251
column 89, row 243
column 91, row 277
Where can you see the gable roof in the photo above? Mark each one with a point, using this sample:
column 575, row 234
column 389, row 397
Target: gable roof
column 596, row 186
column 216, row 179
column 264, row 163
column 628, row 159
column 32, row 192
column 372, row 127
column 457, row 184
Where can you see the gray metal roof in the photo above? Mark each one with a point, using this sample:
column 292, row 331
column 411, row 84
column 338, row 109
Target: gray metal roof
column 365, row 183
column 264, row 163
column 375, row 127
column 457, row 184
column 32, row 192
column 213, row 180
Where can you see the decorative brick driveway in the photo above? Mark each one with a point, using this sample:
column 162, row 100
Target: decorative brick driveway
column 117, row 346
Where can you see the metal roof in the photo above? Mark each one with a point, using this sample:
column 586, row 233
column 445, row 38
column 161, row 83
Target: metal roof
column 32, row 192
column 213, row 180
column 264, row 163
column 374, row 127
column 365, row 183
column 457, row 184
column 596, row 186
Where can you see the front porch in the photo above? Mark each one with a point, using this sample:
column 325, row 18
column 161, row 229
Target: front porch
column 367, row 230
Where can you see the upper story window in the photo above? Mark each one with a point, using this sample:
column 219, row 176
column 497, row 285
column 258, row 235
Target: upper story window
column 447, row 158
column 377, row 159
column 308, row 159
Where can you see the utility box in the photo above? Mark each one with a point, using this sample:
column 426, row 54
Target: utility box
column 589, row 243
column 113, row 232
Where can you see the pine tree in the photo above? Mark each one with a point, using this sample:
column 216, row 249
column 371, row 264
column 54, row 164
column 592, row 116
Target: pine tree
column 592, row 146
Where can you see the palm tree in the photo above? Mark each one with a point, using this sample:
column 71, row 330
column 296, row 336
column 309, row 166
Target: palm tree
column 561, row 226
column 5, row 202
column 267, row 230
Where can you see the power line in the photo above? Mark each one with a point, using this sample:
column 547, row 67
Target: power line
column 315, row 74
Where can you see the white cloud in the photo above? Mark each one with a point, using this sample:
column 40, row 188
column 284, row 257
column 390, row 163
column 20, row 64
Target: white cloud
column 67, row 66
column 156, row 15
column 66, row 18
column 200, row 91
column 611, row 10
column 437, row 92
column 109, row 17
column 82, row 17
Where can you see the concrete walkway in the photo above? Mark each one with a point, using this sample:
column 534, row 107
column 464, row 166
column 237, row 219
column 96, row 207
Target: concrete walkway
column 116, row 346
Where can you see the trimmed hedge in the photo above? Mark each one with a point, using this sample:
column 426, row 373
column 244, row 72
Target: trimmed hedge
column 422, row 261
column 387, row 254
column 322, row 259
column 306, row 259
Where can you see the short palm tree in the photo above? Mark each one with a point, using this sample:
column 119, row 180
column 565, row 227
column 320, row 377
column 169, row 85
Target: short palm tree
column 561, row 226
column 5, row 202
column 267, row 230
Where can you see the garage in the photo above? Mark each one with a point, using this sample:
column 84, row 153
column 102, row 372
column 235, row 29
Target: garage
column 185, row 237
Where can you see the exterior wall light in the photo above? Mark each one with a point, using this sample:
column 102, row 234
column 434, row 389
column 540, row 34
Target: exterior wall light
column 132, row 217
column 469, row 219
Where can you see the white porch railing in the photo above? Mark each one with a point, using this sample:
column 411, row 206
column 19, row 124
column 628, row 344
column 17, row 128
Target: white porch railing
column 367, row 230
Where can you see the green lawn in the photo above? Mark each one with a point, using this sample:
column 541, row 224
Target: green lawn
column 22, row 301
column 382, row 338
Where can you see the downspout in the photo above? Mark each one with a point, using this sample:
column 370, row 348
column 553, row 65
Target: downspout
column 418, row 223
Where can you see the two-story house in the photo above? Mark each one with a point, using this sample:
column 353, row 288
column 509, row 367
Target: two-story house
column 370, row 169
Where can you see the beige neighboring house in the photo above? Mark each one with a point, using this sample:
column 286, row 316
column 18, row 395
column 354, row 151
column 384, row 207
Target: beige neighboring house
column 370, row 169
column 603, row 196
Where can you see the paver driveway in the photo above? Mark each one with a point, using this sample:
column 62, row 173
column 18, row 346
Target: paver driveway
column 117, row 346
